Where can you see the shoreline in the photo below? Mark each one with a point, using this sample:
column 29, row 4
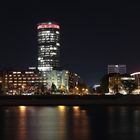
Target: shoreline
column 68, row 100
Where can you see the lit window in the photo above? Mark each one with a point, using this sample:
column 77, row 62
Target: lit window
column 19, row 72
column 57, row 32
column 57, row 44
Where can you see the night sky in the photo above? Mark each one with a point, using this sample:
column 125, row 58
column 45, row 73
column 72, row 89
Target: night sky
column 93, row 35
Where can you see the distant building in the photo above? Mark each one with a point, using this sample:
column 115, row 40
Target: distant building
column 117, row 69
column 48, row 47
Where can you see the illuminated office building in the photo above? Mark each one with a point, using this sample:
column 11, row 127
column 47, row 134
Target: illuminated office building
column 48, row 46
column 19, row 81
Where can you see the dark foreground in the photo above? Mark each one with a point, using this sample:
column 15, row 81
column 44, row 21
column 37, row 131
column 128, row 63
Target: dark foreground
column 70, row 100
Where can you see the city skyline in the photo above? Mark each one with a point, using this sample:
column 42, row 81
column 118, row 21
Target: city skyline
column 92, row 36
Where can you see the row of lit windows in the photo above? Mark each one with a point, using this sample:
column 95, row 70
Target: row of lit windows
column 22, row 81
column 43, row 54
column 45, row 33
column 49, row 46
column 22, row 78
column 26, row 72
column 44, row 63
column 48, row 32
column 47, row 38
column 20, row 75
column 16, row 72
column 48, row 53
column 48, row 49
column 47, row 41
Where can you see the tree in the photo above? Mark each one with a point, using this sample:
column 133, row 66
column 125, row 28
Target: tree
column 129, row 86
column 53, row 87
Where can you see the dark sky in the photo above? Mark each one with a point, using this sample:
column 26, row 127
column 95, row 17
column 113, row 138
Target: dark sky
column 93, row 35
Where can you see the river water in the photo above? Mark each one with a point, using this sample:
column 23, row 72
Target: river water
column 70, row 123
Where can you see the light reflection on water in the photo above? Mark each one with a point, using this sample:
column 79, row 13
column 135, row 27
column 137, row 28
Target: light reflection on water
column 22, row 125
column 69, row 123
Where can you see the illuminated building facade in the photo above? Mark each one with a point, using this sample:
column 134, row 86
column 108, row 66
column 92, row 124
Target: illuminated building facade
column 48, row 47
column 20, row 82
column 28, row 82
column 114, row 83
column 117, row 69
column 63, row 80
column 136, row 75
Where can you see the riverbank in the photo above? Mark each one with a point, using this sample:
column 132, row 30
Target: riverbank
column 70, row 100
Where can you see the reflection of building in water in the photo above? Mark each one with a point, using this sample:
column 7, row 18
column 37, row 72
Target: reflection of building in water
column 22, row 110
column 22, row 124
column 80, row 124
column 62, row 122
column 62, row 109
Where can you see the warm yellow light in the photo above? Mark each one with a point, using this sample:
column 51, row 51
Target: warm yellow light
column 77, row 88
column 86, row 89
column 76, row 107
column 22, row 109
column 83, row 89
column 61, row 108
column 23, row 86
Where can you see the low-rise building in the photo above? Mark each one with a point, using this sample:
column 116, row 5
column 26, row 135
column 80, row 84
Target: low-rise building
column 118, row 83
column 62, row 80
column 19, row 81
column 27, row 82
column 136, row 75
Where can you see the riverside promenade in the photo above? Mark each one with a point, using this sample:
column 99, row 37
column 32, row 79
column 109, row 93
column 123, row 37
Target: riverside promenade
column 68, row 100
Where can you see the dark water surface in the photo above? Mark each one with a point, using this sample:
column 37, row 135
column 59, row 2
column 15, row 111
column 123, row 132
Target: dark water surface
column 70, row 123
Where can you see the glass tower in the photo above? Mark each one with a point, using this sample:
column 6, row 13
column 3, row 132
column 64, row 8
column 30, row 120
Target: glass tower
column 48, row 47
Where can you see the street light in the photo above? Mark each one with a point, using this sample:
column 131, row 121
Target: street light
column 77, row 89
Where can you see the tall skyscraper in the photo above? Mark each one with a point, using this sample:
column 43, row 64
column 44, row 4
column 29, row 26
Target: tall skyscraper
column 117, row 69
column 48, row 46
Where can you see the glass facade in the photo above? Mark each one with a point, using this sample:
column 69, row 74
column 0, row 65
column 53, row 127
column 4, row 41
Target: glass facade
column 48, row 46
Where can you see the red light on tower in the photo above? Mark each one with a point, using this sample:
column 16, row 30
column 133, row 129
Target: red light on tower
column 41, row 26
